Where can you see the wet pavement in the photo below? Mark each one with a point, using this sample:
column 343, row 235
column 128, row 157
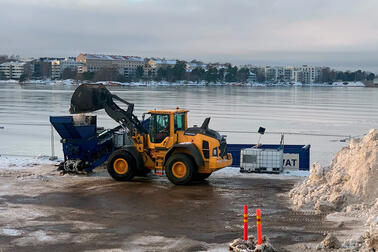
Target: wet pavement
column 104, row 214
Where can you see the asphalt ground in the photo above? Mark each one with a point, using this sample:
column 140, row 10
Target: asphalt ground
column 48, row 212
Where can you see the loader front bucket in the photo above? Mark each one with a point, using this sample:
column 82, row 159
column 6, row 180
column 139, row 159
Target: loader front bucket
column 89, row 98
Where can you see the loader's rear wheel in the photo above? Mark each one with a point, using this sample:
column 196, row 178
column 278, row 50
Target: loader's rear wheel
column 202, row 176
column 121, row 166
column 180, row 169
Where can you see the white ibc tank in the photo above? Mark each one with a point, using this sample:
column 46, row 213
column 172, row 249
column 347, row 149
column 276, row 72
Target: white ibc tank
column 261, row 160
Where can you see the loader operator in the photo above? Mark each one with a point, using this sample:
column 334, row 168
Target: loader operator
column 160, row 128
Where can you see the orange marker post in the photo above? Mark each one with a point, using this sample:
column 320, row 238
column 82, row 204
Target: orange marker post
column 245, row 234
column 258, row 222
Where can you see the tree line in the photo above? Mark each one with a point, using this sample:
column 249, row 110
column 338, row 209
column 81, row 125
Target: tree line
column 329, row 75
column 168, row 73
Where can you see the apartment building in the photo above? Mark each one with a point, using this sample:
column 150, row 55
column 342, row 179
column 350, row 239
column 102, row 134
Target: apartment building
column 55, row 69
column 310, row 74
column 71, row 63
column 13, row 70
column 297, row 75
column 126, row 65
column 288, row 73
column 271, row 73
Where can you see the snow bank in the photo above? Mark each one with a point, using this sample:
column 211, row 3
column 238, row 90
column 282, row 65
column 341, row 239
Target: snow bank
column 250, row 245
column 8, row 81
column 340, row 84
column 68, row 82
column 348, row 185
column 17, row 162
column 351, row 178
column 234, row 172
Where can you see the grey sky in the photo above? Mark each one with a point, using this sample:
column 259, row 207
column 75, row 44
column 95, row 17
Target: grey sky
column 341, row 33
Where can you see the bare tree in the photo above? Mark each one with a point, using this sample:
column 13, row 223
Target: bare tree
column 68, row 73
column 106, row 74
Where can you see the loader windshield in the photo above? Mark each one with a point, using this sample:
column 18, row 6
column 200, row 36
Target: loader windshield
column 159, row 127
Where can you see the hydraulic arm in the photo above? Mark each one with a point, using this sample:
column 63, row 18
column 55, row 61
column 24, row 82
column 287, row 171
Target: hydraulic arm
column 92, row 97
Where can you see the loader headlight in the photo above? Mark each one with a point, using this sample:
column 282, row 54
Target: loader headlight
column 215, row 152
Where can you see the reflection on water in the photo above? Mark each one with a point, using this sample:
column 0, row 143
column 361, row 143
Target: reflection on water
column 25, row 111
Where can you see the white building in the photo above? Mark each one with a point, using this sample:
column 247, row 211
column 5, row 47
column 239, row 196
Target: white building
column 59, row 65
column 55, row 69
column 72, row 64
column 297, row 75
column 13, row 70
column 310, row 74
column 270, row 73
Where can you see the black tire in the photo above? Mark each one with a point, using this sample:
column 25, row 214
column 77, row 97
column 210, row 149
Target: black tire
column 116, row 166
column 202, row 176
column 175, row 165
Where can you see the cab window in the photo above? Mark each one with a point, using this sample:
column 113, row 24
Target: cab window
column 159, row 128
column 179, row 121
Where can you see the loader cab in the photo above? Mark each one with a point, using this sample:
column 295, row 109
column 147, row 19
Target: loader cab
column 164, row 127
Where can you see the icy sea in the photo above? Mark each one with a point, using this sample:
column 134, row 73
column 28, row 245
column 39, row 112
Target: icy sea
column 321, row 116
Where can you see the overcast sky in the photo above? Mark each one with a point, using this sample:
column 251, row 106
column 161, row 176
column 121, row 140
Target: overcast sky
column 338, row 33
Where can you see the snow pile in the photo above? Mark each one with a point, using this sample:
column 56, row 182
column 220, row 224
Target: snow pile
column 329, row 242
column 348, row 84
column 339, row 84
column 351, row 178
column 250, row 245
column 68, row 82
column 14, row 162
column 348, row 185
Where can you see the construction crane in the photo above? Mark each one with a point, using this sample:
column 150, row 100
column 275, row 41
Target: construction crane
column 162, row 142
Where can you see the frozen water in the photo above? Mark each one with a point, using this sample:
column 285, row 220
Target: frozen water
column 25, row 111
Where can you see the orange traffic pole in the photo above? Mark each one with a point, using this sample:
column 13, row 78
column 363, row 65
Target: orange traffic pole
column 258, row 222
column 245, row 234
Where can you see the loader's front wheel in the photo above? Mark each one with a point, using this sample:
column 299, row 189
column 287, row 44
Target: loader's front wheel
column 121, row 166
column 180, row 169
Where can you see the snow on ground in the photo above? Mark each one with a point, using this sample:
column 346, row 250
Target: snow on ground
column 9, row 81
column 21, row 162
column 340, row 84
column 232, row 172
column 10, row 232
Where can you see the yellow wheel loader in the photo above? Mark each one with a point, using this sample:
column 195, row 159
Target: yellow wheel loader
column 162, row 142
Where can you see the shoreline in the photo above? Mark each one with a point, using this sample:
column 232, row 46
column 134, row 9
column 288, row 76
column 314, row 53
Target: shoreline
column 70, row 82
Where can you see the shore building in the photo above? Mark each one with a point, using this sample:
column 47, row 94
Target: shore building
column 126, row 65
column 13, row 70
